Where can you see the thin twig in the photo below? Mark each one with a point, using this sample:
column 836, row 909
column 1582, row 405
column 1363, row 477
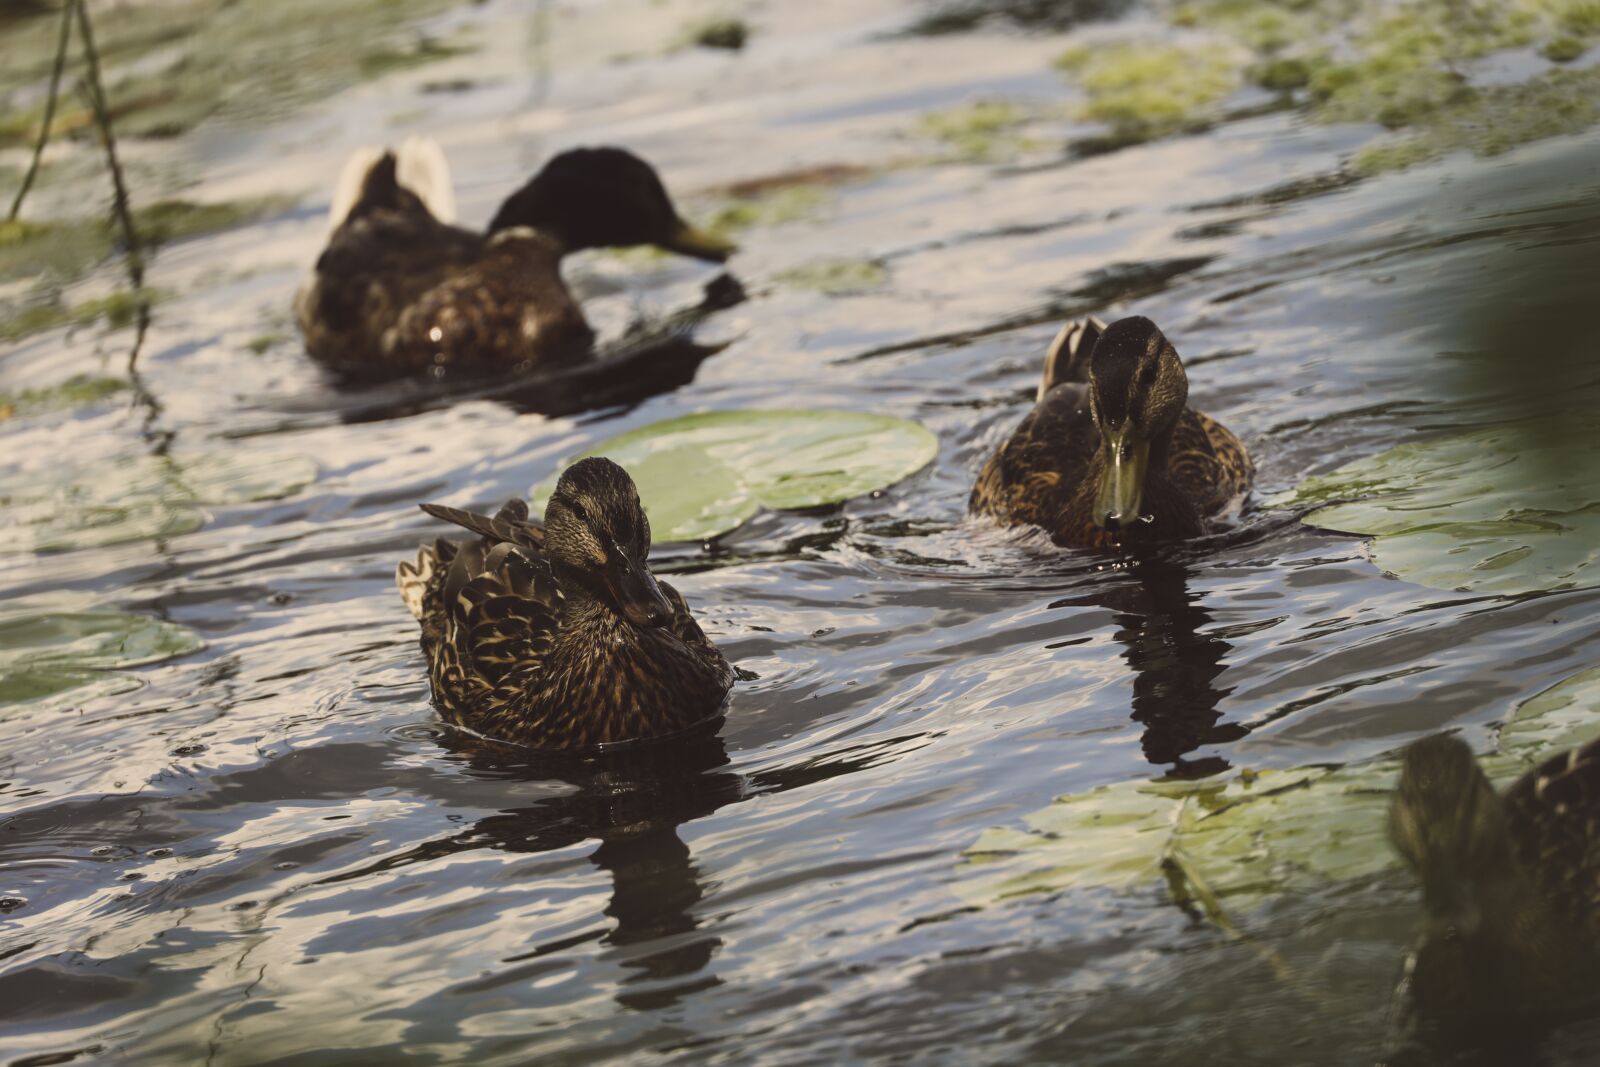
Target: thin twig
column 121, row 208
column 49, row 108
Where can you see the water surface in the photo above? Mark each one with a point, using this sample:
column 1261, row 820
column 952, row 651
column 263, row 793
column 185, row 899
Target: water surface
column 273, row 853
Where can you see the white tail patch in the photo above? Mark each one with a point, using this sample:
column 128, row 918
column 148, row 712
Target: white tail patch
column 348, row 191
column 413, row 580
column 422, row 168
column 419, row 166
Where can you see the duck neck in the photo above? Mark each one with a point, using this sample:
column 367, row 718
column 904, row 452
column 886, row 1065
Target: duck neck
column 529, row 207
column 582, row 606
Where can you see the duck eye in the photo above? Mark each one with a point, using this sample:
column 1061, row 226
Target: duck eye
column 1147, row 376
column 576, row 509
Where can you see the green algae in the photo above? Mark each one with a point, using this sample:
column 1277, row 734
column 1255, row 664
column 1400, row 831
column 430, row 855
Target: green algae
column 54, row 252
column 836, row 277
column 768, row 207
column 1491, row 121
column 1143, row 90
column 979, row 131
column 170, row 66
column 118, row 309
column 80, row 390
column 1406, row 65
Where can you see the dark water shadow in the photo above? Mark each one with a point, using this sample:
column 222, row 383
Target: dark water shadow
column 1167, row 643
column 649, row 359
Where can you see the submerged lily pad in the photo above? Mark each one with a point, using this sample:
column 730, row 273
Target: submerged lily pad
column 127, row 498
column 1510, row 509
column 1248, row 835
column 703, row 475
column 45, row 653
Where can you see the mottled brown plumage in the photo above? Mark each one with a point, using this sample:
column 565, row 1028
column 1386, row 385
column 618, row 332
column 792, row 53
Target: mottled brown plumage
column 1109, row 392
column 555, row 634
column 401, row 291
column 1510, row 888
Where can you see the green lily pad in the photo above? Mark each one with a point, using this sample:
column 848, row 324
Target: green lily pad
column 1247, row 835
column 703, row 475
column 131, row 497
column 1510, row 509
column 44, row 653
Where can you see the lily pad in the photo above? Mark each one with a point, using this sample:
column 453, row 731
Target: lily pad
column 1248, row 835
column 703, row 475
column 1510, row 509
column 60, row 506
column 44, row 653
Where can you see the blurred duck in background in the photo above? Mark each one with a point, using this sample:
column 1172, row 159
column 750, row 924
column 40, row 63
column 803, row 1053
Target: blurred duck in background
column 1510, row 895
column 402, row 290
column 1111, row 453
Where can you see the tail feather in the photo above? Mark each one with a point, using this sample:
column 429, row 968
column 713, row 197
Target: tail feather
column 1446, row 820
column 352, row 181
column 1068, row 358
column 508, row 526
column 424, row 170
column 377, row 174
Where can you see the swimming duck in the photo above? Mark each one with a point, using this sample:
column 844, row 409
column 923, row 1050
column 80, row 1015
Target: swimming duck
column 399, row 289
column 1510, row 887
column 556, row 635
column 1111, row 452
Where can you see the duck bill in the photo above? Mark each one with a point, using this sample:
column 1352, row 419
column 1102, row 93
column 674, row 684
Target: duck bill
column 635, row 592
column 689, row 240
column 1121, row 489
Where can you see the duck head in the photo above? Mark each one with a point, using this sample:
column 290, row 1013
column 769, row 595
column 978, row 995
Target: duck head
column 597, row 535
column 605, row 198
column 1137, row 391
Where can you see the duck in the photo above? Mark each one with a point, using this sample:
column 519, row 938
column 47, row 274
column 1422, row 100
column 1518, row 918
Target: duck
column 555, row 635
column 1111, row 454
column 401, row 290
column 1510, row 882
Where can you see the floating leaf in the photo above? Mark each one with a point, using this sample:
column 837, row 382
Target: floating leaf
column 58, row 506
column 1510, row 509
column 43, row 653
column 703, row 475
column 1248, row 835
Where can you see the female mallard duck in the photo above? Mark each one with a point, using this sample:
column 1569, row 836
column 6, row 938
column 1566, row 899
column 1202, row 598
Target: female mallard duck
column 1510, row 888
column 401, row 290
column 1111, row 453
column 555, row 634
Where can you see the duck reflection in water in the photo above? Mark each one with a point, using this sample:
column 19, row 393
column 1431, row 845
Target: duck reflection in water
column 633, row 799
column 1175, row 659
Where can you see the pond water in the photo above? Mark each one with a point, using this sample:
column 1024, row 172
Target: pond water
column 271, row 852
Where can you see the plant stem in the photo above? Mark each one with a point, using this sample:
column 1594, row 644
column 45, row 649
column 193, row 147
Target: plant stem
column 67, row 10
column 120, row 205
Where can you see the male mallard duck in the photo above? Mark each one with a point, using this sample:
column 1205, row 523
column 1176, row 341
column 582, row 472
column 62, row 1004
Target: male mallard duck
column 555, row 634
column 1510, row 886
column 1111, row 452
column 399, row 289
